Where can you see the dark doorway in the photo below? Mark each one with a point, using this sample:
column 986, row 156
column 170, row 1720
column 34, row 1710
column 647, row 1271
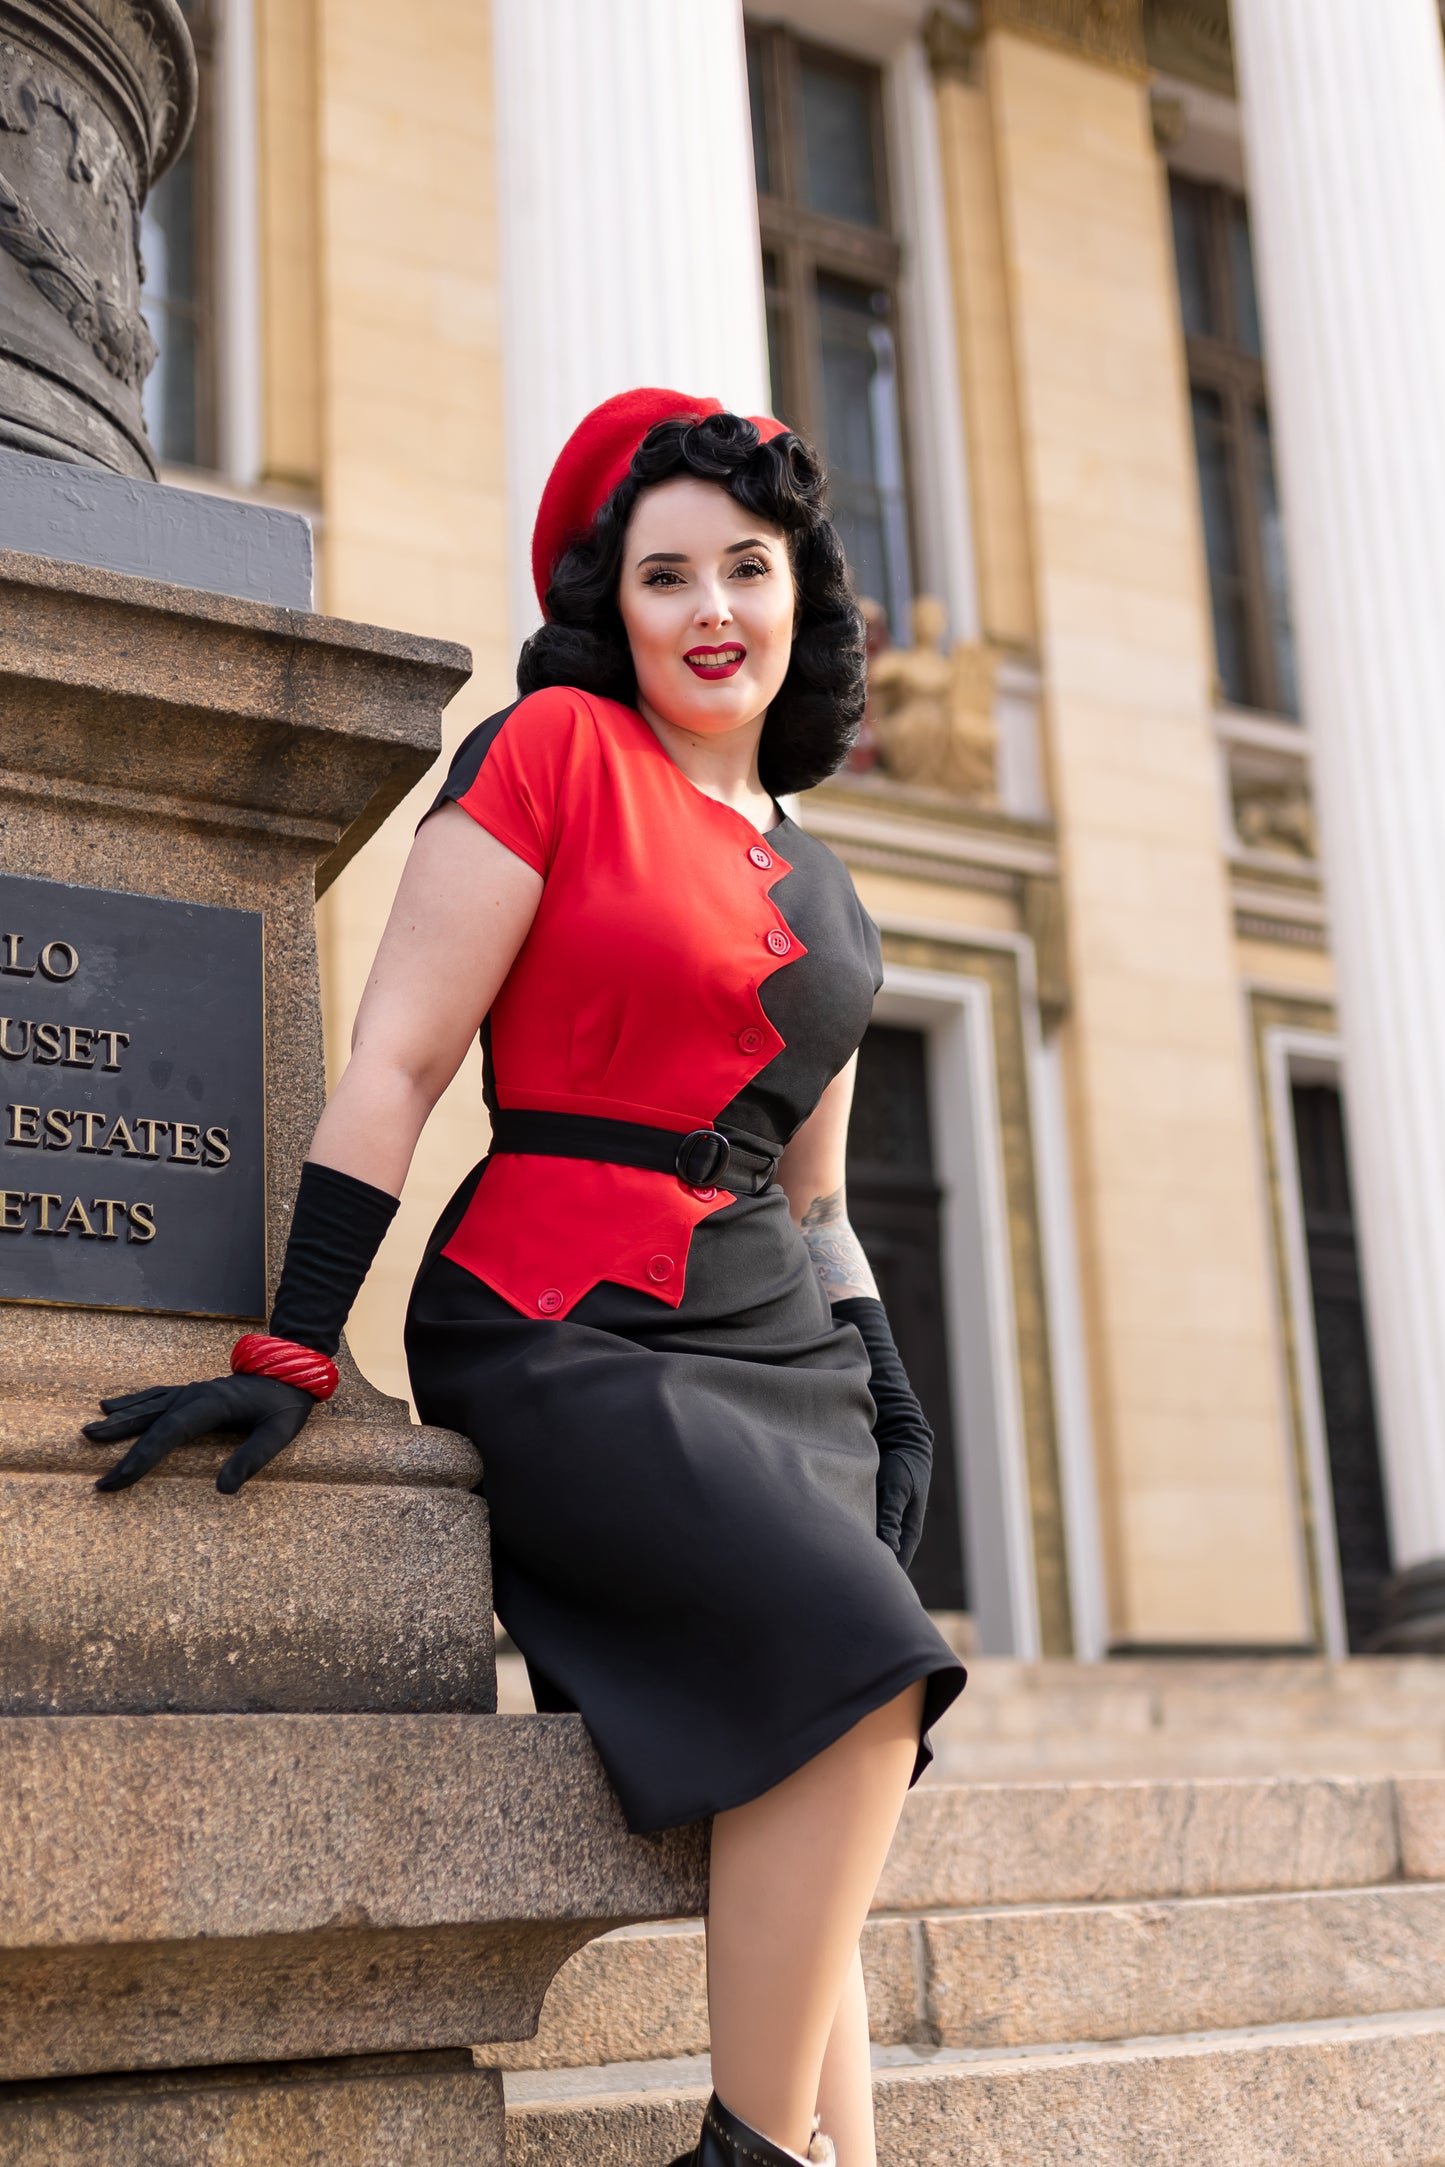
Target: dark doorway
column 894, row 1202
column 1344, row 1352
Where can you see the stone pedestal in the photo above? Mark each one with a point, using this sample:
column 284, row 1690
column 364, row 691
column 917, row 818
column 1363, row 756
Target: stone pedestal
column 268, row 1866
column 1344, row 117
column 161, row 742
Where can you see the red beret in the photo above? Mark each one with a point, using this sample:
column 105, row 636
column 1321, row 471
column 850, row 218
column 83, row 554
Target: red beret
column 595, row 458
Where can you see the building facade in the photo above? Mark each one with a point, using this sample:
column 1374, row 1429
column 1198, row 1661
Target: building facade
column 997, row 260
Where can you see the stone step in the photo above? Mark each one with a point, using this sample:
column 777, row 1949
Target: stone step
column 1032, row 1975
column 969, row 1845
column 1137, row 1717
column 1073, row 1755
column 1013, row 1914
column 1352, row 2092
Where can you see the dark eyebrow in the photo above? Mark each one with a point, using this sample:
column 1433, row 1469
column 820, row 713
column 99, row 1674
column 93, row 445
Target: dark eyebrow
column 678, row 556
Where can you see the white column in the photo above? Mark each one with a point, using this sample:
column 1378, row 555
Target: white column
column 628, row 218
column 1344, row 116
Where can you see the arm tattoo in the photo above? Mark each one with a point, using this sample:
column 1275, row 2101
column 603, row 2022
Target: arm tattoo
column 835, row 1249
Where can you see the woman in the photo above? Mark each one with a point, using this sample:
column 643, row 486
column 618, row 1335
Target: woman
column 704, row 1465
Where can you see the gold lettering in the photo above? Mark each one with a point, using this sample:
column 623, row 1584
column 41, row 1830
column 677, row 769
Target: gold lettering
column 58, row 1136
column 13, row 943
column 121, row 1133
column 78, row 1056
column 113, row 1041
column 90, row 1123
column 24, row 1125
column 110, row 1205
column 77, row 1217
column 11, row 1202
column 14, row 1053
column 51, row 968
column 218, row 1141
column 185, row 1143
column 48, row 1043
column 141, row 1217
column 150, row 1151
column 40, row 1197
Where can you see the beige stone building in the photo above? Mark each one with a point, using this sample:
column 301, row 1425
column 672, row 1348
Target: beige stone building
column 996, row 259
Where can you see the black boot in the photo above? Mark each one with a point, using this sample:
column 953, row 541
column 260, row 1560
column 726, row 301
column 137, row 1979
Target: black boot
column 727, row 2142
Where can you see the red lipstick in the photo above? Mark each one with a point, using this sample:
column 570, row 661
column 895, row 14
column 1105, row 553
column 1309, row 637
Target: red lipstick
column 716, row 661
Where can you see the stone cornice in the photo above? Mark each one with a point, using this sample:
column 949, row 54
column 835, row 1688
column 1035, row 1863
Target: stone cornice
column 1108, row 31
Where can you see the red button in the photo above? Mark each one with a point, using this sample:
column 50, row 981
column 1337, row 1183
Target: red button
column 659, row 1267
column 760, row 857
column 778, row 941
column 752, row 1040
column 704, row 1196
column 550, row 1300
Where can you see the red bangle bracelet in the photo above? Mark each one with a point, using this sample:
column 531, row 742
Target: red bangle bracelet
column 256, row 1354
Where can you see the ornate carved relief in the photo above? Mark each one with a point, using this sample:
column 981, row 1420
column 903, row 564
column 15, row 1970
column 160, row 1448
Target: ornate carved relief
column 951, row 45
column 1276, row 816
column 96, row 98
column 1106, row 30
column 111, row 326
column 133, row 56
column 1191, row 38
column 931, row 710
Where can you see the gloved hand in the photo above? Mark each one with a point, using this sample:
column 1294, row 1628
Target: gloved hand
column 269, row 1412
column 900, row 1430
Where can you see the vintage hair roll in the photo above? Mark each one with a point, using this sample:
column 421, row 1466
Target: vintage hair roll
column 815, row 716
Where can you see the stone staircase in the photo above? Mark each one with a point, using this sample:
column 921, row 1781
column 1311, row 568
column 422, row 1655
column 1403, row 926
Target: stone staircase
column 1375, row 1715
column 1133, row 1972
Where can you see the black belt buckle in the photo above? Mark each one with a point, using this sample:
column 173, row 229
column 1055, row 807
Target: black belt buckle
column 702, row 1157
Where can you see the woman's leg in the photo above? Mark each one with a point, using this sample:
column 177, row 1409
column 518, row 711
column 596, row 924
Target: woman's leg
column 793, row 1875
column 845, row 2090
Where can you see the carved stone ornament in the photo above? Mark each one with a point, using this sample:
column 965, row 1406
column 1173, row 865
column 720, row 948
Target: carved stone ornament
column 1190, row 38
column 1278, row 817
column 96, row 100
column 931, row 710
column 951, row 42
column 1104, row 30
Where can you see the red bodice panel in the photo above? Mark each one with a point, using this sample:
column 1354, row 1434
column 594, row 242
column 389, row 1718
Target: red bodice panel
column 634, row 996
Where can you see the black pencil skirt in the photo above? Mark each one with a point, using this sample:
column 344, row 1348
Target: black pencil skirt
column 682, row 1506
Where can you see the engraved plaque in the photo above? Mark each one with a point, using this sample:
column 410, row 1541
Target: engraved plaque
column 132, row 1149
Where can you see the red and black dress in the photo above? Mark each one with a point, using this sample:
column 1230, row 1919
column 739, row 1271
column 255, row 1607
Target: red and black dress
column 676, row 1435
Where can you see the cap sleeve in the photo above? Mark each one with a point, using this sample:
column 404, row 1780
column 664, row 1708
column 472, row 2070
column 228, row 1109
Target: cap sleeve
column 508, row 773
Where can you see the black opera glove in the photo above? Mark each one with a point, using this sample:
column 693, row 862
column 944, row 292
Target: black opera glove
column 269, row 1412
column 900, row 1430
column 336, row 1230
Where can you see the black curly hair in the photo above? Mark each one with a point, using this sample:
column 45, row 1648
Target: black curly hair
column 814, row 718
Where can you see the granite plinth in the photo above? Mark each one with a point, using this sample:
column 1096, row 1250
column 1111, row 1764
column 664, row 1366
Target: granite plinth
column 249, row 1887
column 164, row 742
column 288, row 1596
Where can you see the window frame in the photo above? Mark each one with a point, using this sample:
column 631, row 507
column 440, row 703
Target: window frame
column 807, row 245
column 1222, row 366
column 204, row 25
column 805, row 242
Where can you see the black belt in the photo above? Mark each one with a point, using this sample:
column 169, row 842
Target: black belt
column 704, row 1158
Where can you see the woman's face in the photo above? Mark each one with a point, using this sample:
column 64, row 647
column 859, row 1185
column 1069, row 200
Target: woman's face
column 706, row 595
